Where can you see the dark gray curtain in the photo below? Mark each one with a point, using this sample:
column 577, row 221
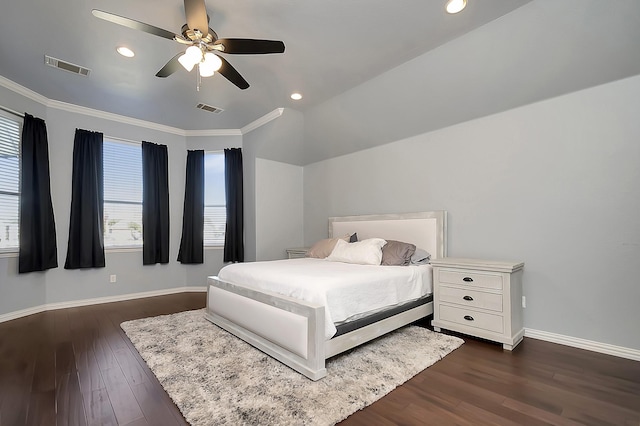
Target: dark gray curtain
column 155, row 204
column 86, row 226
column 192, row 242
column 38, row 250
column 234, row 235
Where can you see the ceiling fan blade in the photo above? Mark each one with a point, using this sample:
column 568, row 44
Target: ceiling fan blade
column 170, row 67
column 232, row 75
column 249, row 46
column 136, row 25
column 196, row 14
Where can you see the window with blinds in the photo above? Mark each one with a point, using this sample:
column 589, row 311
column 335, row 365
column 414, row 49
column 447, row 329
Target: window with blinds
column 215, row 210
column 122, row 163
column 10, row 128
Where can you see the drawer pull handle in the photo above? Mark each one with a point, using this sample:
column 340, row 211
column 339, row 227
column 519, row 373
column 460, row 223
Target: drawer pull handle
column 467, row 279
column 468, row 298
column 468, row 317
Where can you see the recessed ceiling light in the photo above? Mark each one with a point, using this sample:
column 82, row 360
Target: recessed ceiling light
column 125, row 51
column 296, row 96
column 455, row 6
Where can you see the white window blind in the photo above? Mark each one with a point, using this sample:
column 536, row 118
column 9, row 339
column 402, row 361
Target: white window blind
column 9, row 182
column 215, row 210
column 122, row 164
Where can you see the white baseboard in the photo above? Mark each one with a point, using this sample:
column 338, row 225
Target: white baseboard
column 589, row 345
column 95, row 301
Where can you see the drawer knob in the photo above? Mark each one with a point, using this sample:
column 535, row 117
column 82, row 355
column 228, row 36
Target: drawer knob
column 468, row 317
column 468, row 298
column 467, row 279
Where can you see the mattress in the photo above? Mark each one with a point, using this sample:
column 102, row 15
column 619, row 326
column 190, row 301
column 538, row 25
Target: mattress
column 346, row 290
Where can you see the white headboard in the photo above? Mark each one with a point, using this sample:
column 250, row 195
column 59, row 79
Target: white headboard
column 427, row 230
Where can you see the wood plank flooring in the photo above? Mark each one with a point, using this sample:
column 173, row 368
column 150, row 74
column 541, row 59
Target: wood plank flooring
column 77, row 367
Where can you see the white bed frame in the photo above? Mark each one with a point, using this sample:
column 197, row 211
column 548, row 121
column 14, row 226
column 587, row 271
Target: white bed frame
column 292, row 330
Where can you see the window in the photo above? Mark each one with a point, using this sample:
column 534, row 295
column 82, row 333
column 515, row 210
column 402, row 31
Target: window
column 215, row 209
column 10, row 129
column 122, row 163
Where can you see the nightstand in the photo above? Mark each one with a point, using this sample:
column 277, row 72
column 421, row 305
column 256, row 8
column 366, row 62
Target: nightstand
column 297, row 252
column 481, row 298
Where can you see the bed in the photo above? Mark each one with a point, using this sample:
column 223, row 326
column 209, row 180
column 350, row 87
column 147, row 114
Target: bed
column 294, row 330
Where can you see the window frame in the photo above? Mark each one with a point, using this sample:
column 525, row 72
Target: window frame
column 217, row 245
column 17, row 118
column 121, row 247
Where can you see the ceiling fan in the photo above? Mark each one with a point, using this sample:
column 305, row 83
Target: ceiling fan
column 202, row 42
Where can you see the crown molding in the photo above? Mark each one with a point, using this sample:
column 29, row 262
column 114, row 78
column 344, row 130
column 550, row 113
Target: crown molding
column 214, row 132
column 77, row 109
column 21, row 90
column 262, row 120
column 114, row 117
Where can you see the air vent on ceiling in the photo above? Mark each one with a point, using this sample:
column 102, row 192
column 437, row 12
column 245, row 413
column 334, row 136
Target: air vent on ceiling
column 66, row 66
column 210, row 108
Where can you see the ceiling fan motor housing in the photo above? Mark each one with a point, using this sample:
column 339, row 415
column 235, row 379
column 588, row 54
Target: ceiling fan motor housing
column 193, row 36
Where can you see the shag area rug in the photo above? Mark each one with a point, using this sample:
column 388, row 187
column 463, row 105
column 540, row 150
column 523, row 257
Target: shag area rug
column 217, row 379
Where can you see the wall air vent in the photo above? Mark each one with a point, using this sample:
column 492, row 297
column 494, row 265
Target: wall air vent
column 210, row 108
column 66, row 66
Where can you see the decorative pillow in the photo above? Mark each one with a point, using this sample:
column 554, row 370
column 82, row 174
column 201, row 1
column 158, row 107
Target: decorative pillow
column 353, row 238
column 323, row 248
column 420, row 257
column 365, row 252
column 397, row 253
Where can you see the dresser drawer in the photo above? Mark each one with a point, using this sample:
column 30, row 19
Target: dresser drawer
column 469, row 297
column 471, row 278
column 469, row 318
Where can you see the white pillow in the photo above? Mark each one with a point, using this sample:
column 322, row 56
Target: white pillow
column 365, row 252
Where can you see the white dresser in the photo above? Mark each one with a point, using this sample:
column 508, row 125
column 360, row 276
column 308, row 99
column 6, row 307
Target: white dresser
column 297, row 252
column 481, row 298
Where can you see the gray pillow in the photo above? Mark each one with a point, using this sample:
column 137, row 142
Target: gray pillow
column 420, row 257
column 397, row 253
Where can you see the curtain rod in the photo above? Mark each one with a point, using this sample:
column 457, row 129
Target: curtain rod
column 10, row 111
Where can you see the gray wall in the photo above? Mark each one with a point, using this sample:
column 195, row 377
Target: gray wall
column 279, row 220
column 280, row 141
column 132, row 277
column 554, row 184
column 540, row 50
column 23, row 291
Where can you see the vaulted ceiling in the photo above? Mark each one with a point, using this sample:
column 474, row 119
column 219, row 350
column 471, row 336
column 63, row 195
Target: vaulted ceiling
column 331, row 46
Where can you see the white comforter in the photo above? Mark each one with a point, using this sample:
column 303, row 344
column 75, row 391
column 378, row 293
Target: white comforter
column 346, row 290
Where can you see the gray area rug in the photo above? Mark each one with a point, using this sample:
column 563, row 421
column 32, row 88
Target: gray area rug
column 216, row 379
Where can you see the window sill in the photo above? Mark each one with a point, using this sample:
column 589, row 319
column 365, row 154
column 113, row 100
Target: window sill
column 123, row 249
column 9, row 253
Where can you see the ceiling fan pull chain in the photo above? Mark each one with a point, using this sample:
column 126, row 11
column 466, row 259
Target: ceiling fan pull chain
column 198, row 79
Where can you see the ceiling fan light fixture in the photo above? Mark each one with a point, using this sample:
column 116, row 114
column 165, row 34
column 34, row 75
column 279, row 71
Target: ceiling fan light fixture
column 455, row 6
column 191, row 57
column 204, row 70
column 209, row 65
column 212, row 61
column 186, row 62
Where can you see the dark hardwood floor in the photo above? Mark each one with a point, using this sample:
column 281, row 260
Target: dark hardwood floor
column 76, row 366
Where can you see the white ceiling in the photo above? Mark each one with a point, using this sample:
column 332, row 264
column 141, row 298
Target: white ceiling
column 331, row 46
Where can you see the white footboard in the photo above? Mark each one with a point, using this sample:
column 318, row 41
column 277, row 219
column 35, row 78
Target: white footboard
column 289, row 330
